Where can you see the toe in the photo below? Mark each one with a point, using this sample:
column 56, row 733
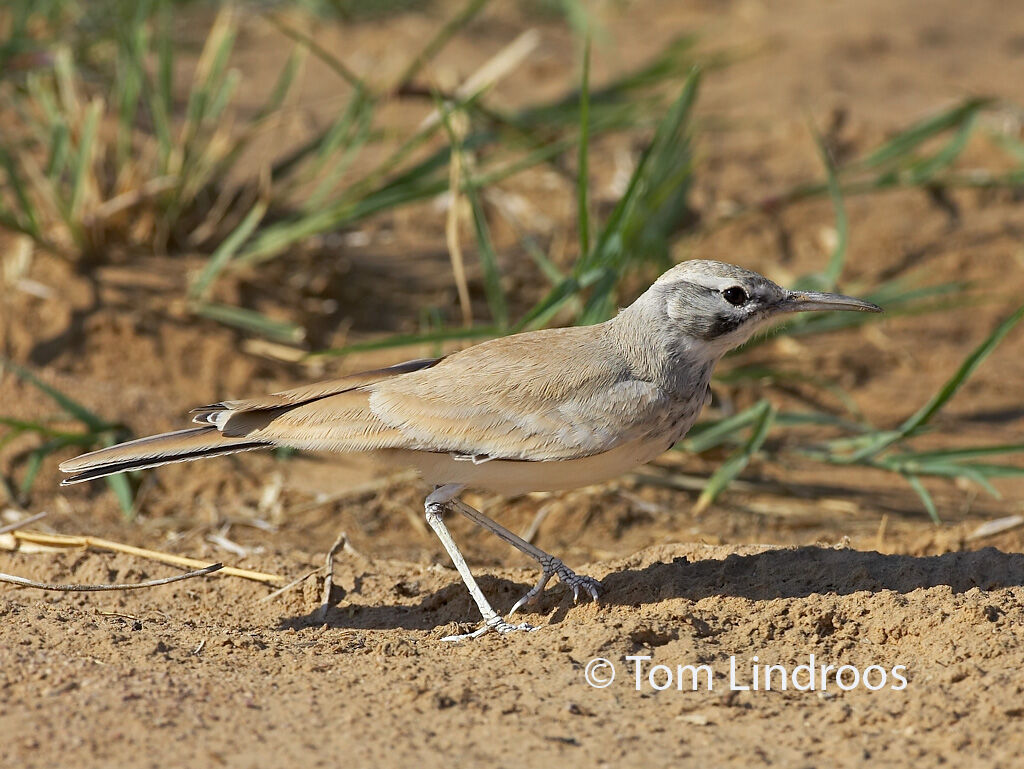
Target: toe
column 505, row 627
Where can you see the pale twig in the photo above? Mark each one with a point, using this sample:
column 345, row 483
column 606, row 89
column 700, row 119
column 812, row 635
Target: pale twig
column 499, row 65
column 220, row 539
column 129, row 199
column 19, row 524
column 325, row 604
column 118, row 614
column 538, row 519
column 451, row 227
column 95, row 588
column 880, row 536
column 64, row 540
column 998, row 526
column 289, row 586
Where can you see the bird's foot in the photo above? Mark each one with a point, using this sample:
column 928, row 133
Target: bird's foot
column 551, row 567
column 495, row 624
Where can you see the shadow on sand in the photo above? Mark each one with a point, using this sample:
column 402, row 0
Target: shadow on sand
column 784, row 573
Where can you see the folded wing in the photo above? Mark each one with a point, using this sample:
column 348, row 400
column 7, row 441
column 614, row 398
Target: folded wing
column 508, row 398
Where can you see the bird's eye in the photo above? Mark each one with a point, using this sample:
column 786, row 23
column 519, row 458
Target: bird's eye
column 735, row 295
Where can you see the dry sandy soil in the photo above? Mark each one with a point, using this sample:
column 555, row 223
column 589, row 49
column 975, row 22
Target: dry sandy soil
column 799, row 560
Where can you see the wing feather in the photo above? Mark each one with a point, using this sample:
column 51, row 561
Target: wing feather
column 311, row 392
column 509, row 398
column 513, row 399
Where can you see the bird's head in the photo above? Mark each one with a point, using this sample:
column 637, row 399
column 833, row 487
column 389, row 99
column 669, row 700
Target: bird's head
column 719, row 306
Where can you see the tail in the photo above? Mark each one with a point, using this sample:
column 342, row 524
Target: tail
column 163, row 449
column 327, row 415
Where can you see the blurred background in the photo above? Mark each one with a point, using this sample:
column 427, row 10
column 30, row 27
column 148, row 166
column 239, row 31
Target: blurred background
column 203, row 201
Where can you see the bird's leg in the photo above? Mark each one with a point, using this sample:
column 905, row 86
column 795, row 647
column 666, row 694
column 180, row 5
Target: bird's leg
column 436, row 504
column 550, row 566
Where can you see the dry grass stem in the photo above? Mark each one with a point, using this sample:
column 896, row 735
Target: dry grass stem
column 325, row 604
column 97, row 588
column 294, row 583
column 22, row 523
column 69, row 541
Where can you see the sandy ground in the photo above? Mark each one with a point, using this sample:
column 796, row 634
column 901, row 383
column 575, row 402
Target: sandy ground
column 797, row 560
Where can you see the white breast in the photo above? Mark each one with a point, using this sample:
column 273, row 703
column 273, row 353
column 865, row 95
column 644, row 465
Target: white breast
column 664, row 427
column 517, row 477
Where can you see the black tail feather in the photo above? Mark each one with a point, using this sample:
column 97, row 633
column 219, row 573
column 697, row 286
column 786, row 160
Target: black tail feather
column 112, row 468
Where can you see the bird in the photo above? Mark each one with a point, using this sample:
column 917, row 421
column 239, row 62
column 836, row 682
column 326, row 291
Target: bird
column 540, row 410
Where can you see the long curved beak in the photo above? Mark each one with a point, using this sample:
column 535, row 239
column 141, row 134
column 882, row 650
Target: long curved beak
column 805, row 301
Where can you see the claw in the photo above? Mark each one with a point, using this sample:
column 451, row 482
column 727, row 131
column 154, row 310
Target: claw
column 520, row 603
column 566, row 576
column 534, row 592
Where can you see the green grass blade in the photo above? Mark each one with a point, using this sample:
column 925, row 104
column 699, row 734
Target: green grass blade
column 208, row 82
column 957, row 455
column 907, row 141
column 648, row 212
column 926, row 498
column 708, row 435
column 735, row 464
column 774, row 375
column 35, row 463
column 923, row 171
column 28, row 220
column 250, row 321
column 59, row 151
column 283, row 85
column 439, row 40
column 41, row 93
column 161, row 94
column 410, row 340
column 837, row 259
column 71, row 406
column 842, row 446
column 349, row 133
column 9, row 437
column 920, row 419
column 994, row 471
column 226, row 251
column 122, row 488
column 618, row 104
column 222, row 96
column 488, row 258
column 22, row 425
column 963, row 373
column 129, row 78
column 65, row 75
column 979, row 473
column 820, row 419
column 1010, row 145
column 583, row 156
column 974, row 474
column 547, row 307
column 319, row 51
column 423, row 181
column 579, row 19
column 82, row 168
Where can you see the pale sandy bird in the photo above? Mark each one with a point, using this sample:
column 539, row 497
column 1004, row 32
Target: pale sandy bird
column 538, row 411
